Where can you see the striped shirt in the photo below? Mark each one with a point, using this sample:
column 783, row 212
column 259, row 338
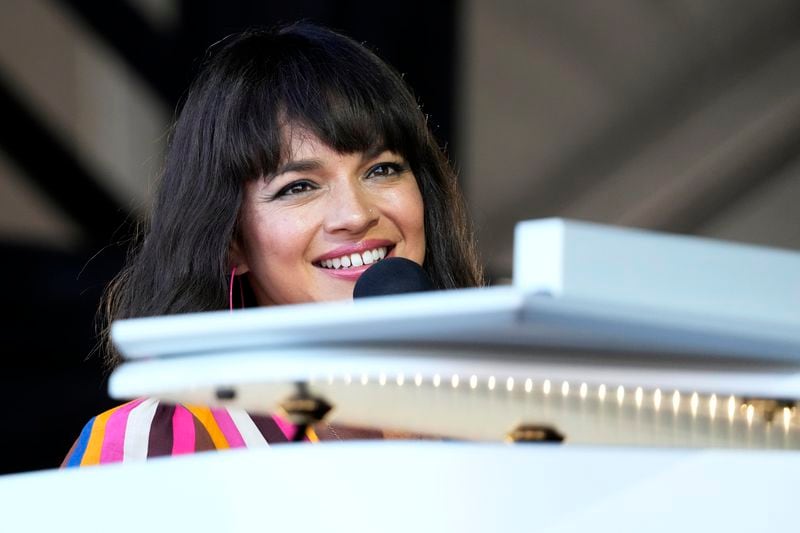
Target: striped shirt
column 146, row 428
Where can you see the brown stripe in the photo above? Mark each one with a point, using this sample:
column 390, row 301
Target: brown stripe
column 202, row 439
column 337, row 432
column 268, row 428
column 160, row 440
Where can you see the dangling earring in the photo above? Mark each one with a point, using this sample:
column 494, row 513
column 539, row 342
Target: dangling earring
column 230, row 289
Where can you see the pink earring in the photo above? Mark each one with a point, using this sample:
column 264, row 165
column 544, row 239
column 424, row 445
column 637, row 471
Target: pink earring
column 230, row 289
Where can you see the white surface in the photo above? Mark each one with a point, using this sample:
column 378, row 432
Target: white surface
column 438, row 487
column 495, row 316
column 377, row 387
column 658, row 271
column 403, row 317
column 289, row 365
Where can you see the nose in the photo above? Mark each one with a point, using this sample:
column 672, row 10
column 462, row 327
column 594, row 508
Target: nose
column 350, row 210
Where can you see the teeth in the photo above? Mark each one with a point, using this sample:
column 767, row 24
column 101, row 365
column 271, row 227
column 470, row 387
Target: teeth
column 366, row 258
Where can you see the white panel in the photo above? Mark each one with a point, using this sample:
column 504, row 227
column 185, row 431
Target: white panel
column 413, row 486
column 539, row 256
column 659, row 271
column 412, row 389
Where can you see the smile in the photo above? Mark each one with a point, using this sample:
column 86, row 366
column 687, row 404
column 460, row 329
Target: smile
column 355, row 260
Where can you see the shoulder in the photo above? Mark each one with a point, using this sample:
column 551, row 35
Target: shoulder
column 147, row 427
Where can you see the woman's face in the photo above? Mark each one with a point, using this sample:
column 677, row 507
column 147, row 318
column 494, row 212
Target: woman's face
column 310, row 230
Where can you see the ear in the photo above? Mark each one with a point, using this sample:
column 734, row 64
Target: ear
column 237, row 258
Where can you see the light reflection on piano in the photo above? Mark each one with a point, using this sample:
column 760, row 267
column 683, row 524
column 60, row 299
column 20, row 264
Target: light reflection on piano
column 582, row 412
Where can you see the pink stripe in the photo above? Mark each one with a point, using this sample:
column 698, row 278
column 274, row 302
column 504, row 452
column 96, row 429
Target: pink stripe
column 113, row 447
column 228, row 428
column 286, row 427
column 182, row 431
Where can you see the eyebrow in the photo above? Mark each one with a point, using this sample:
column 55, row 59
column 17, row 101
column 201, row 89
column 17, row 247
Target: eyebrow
column 308, row 165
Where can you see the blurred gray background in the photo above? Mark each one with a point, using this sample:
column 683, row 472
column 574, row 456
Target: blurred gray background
column 680, row 115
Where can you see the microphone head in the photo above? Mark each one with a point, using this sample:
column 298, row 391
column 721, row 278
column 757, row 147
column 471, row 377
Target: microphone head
column 394, row 275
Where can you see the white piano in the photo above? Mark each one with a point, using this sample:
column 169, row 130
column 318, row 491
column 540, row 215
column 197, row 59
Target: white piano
column 670, row 365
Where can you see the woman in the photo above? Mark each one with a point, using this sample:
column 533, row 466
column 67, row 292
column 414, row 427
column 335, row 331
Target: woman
column 298, row 159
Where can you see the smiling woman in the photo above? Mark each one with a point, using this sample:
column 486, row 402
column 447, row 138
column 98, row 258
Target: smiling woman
column 298, row 154
column 298, row 159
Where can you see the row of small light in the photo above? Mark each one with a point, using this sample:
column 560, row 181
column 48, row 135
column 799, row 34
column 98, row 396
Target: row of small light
column 583, row 392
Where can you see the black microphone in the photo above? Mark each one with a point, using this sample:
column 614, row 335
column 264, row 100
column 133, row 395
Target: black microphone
column 393, row 275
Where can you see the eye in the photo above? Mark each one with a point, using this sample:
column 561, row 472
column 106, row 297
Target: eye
column 295, row 188
column 386, row 169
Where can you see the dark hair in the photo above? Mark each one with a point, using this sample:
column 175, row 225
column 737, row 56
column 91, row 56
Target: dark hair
column 230, row 130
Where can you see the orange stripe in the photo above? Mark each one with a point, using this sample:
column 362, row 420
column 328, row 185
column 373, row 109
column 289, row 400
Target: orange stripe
column 206, row 417
column 95, row 444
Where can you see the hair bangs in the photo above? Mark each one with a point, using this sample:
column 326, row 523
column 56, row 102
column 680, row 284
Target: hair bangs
column 344, row 95
column 351, row 117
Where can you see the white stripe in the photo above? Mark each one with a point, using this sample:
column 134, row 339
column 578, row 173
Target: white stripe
column 137, row 431
column 251, row 436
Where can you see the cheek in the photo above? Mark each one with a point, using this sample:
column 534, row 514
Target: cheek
column 410, row 216
column 275, row 236
column 416, row 209
column 415, row 219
